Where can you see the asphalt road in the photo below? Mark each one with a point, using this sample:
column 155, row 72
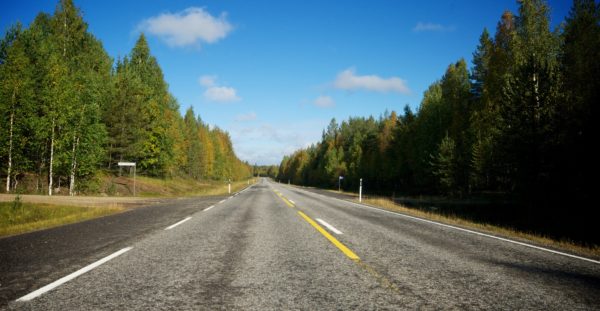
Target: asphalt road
column 274, row 247
column 32, row 260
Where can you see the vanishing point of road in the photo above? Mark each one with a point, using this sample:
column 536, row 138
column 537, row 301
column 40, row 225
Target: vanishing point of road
column 276, row 247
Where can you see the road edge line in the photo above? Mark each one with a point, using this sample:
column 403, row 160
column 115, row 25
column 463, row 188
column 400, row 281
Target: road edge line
column 71, row 276
column 469, row 231
column 178, row 223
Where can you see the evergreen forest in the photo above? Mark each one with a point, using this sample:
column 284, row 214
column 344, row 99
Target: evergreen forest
column 515, row 126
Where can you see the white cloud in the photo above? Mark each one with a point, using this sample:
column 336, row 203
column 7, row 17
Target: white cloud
column 221, row 94
column 251, row 116
column 217, row 93
column 188, row 27
column 207, row 81
column 420, row 27
column 324, row 101
column 348, row 80
column 267, row 143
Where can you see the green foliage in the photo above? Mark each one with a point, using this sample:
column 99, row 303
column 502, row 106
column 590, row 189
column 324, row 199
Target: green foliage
column 445, row 165
column 65, row 111
column 580, row 69
column 265, row 170
column 518, row 124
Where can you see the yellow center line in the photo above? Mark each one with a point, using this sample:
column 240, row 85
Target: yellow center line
column 349, row 253
column 331, row 239
column 287, row 202
column 284, row 199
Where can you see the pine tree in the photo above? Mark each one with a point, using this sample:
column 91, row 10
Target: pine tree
column 481, row 64
column 530, row 99
column 445, row 165
column 580, row 68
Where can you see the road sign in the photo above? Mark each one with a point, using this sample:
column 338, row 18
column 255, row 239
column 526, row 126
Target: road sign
column 130, row 164
column 126, row 163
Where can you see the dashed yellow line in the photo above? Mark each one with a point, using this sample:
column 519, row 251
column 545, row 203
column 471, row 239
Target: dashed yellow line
column 349, row 253
column 324, row 232
column 290, row 204
column 331, row 239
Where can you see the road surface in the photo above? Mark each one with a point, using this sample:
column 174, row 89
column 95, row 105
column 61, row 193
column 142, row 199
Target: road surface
column 275, row 247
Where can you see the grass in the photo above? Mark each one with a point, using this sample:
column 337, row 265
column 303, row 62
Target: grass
column 156, row 187
column 589, row 251
column 19, row 217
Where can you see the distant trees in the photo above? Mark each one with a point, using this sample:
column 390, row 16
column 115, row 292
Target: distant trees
column 517, row 123
column 66, row 112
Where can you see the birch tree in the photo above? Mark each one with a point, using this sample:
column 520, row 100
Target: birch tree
column 15, row 99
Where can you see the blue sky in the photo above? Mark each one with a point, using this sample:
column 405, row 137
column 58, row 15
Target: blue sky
column 274, row 73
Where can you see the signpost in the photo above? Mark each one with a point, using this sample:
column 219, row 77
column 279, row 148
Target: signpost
column 130, row 164
column 340, row 183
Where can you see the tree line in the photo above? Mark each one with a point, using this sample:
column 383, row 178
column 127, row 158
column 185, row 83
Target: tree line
column 265, row 170
column 518, row 123
column 67, row 111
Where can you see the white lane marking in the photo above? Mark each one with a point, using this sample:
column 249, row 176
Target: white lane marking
column 177, row 223
column 470, row 231
column 221, row 201
column 71, row 276
column 208, row 208
column 330, row 227
column 292, row 201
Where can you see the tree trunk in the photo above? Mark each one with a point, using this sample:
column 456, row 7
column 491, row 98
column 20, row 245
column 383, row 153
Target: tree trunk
column 74, row 155
column 10, row 143
column 73, row 168
column 51, row 159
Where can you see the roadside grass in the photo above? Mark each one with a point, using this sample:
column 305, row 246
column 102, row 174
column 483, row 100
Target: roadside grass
column 20, row 217
column 174, row 187
column 388, row 204
column 221, row 188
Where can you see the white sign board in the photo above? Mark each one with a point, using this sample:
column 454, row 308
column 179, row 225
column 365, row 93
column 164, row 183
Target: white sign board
column 130, row 164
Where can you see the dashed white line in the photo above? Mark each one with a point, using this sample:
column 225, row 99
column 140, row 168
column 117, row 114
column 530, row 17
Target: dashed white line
column 71, row 276
column 177, row 223
column 221, row 201
column 206, row 209
column 330, row 227
column 292, row 201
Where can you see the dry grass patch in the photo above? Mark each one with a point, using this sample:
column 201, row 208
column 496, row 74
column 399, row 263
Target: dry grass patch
column 175, row 187
column 18, row 217
column 588, row 251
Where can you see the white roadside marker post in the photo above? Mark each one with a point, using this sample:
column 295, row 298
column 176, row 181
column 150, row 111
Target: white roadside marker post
column 229, row 186
column 360, row 191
